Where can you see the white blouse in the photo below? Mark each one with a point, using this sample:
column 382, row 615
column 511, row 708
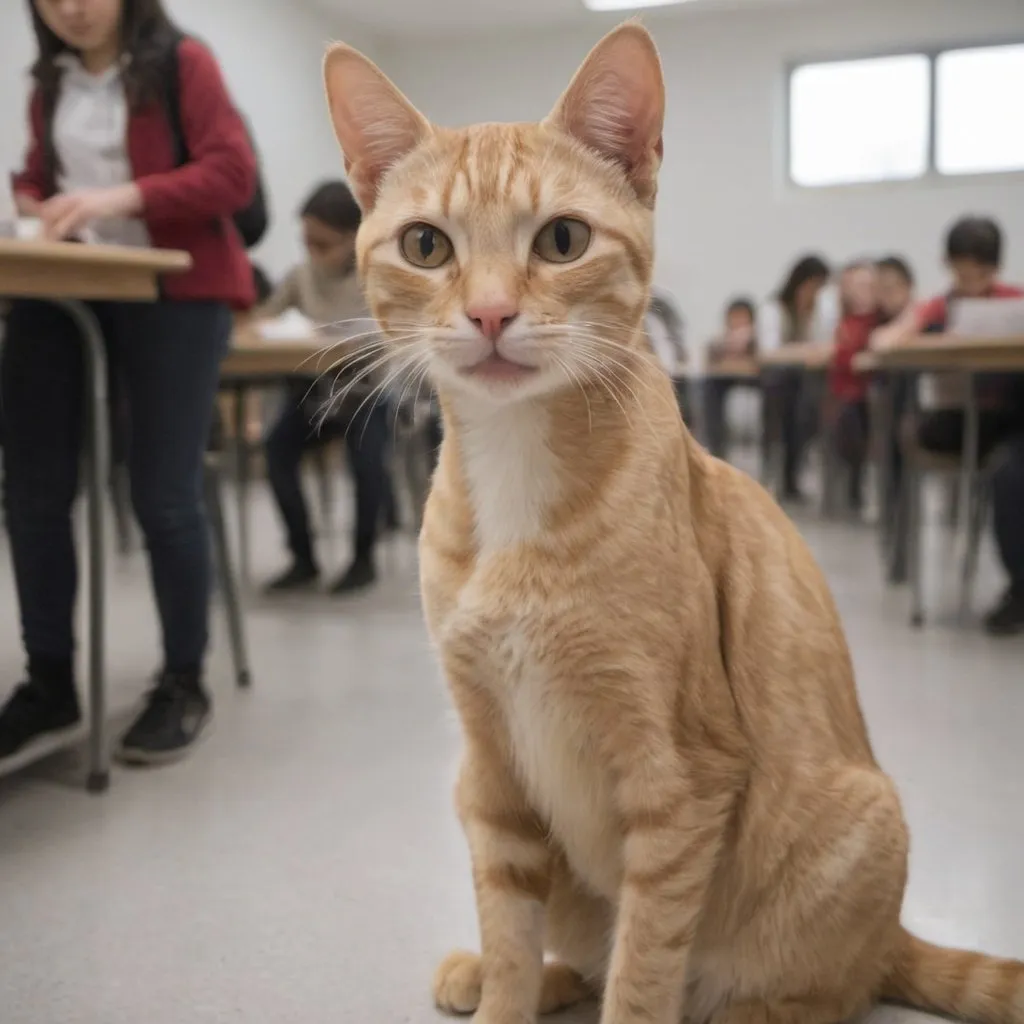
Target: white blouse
column 90, row 135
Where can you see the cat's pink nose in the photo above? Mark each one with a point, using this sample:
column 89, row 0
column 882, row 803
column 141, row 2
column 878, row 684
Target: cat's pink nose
column 492, row 319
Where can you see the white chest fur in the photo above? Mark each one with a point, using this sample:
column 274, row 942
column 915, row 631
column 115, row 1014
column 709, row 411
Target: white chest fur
column 511, row 472
column 557, row 761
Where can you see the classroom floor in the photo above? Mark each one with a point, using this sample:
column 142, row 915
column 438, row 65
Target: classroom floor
column 305, row 865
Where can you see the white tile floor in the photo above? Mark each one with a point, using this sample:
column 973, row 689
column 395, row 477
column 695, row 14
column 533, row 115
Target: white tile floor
column 305, row 866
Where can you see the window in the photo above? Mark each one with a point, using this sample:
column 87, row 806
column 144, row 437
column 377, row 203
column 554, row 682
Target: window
column 979, row 118
column 861, row 121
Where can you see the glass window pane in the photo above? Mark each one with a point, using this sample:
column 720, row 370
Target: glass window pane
column 859, row 121
column 980, row 119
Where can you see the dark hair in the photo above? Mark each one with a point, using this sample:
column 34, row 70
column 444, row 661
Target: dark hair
column 975, row 238
column 333, row 204
column 807, row 268
column 147, row 33
column 741, row 305
column 147, row 37
column 897, row 265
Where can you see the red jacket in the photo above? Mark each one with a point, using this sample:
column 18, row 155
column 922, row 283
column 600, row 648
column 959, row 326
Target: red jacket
column 185, row 207
column 852, row 337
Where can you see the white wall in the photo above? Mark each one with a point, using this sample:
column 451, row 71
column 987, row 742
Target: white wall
column 270, row 51
column 727, row 220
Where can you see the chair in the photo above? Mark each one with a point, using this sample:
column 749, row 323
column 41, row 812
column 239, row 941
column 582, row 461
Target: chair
column 918, row 464
column 413, row 456
column 227, row 577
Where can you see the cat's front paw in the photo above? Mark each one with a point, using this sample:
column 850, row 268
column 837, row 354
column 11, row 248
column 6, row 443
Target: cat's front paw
column 458, row 983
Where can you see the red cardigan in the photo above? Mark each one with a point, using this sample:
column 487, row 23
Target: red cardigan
column 185, row 207
column 852, row 337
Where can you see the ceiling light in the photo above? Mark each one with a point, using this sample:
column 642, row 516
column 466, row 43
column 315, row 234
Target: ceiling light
column 627, row 5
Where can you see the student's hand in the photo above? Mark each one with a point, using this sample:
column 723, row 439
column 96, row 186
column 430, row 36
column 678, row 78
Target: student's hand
column 64, row 216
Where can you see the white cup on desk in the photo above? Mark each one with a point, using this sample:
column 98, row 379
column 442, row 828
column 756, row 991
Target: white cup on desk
column 28, row 229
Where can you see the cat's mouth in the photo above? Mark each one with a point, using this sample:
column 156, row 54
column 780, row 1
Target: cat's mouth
column 497, row 369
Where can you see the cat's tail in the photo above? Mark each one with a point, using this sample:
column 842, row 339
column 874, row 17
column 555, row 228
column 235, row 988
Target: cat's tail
column 970, row 986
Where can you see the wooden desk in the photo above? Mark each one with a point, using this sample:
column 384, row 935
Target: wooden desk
column 250, row 356
column 69, row 274
column 67, row 270
column 931, row 353
column 799, row 355
column 950, row 352
column 741, row 369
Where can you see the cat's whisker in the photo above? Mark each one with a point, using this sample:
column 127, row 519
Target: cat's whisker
column 574, row 377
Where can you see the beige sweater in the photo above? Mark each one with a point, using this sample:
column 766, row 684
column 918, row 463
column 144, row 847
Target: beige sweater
column 336, row 305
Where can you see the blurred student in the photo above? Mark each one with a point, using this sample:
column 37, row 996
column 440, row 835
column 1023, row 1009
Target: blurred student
column 794, row 314
column 848, row 389
column 738, row 341
column 974, row 248
column 326, row 289
column 895, row 289
column 101, row 161
column 974, row 252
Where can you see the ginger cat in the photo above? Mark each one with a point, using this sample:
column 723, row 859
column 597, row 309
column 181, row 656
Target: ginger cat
column 667, row 785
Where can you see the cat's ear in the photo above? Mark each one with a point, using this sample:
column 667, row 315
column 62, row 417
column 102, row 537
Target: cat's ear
column 375, row 124
column 616, row 105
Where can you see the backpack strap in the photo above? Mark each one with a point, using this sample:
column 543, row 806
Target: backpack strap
column 171, row 102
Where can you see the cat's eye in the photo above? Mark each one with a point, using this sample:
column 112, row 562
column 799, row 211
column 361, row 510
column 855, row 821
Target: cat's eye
column 423, row 245
column 563, row 240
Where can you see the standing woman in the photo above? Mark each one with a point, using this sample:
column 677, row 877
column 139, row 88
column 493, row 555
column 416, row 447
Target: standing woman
column 103, row 163
column 794, row 314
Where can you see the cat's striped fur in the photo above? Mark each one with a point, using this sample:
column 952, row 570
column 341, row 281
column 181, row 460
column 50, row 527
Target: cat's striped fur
column 667, row 784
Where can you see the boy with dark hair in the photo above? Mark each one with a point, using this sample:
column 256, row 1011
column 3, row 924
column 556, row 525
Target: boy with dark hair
column 326, row 290
column 895, row 288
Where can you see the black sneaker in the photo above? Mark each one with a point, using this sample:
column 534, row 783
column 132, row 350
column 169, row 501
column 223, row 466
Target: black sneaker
column 35, row 709
column 359, row 575
column 300, row 576
column 176, row 712
column 1007, row 618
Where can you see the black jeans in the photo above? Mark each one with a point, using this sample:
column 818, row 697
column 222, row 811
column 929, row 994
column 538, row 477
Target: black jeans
column 783, row 411
column 1008, row 510
column 851, row 436
column 167, row 357
column 366, row 436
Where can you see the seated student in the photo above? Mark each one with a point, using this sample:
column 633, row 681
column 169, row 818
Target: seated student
column 895, row 297
column 326, row 290
column 849, row 389
column 974, row 248
column 895, row 288
column 739, row 341
column 794, row 314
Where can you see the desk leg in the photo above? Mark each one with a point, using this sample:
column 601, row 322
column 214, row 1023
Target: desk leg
column 242, row 480
column 882, row 442
column 98, row 456
column 968, row 485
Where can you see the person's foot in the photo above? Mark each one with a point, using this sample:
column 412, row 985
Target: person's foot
column 176, row 713
column 298, row 576
column 35, row 709
column 1007, row 618
column 794, row 496
column 359, row 575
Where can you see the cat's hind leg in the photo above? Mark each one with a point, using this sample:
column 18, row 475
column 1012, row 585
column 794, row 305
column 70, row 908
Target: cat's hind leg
column 828, row 1010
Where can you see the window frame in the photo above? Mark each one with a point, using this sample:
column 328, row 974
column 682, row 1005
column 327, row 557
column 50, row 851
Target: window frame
column 932, row 176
